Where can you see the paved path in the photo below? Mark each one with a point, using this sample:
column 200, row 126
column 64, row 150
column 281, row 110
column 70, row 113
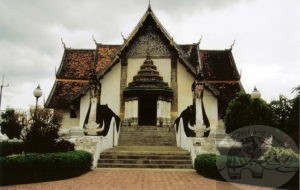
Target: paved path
column 132, row 179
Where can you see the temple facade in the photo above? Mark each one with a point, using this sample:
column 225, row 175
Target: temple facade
column 146, row 81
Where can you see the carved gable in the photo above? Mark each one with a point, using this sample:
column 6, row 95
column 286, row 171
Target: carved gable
column 149, row 40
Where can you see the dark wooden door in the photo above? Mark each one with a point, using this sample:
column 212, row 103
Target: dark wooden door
column 147, row 110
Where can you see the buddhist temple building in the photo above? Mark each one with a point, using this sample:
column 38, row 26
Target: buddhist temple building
column 147, row 80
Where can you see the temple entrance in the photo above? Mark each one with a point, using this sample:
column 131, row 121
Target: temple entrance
column 147, row 110
column 147, row 98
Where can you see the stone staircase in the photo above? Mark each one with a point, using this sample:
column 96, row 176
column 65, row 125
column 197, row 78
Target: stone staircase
column 147, row 136
column 145, row 157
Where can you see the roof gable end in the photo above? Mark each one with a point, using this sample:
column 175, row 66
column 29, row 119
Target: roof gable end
column 149, row 15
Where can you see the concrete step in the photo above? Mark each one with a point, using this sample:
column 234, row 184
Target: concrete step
column 147, row 135
column 162, row 166
column 145, row 157
column 146, row 141
column 132, row 160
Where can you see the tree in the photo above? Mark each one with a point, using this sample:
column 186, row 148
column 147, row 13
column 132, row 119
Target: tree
column 12, row 123
column 42, row 133
column 282, row 109
column 243, row 111
column 287, row 114
column 293, row 123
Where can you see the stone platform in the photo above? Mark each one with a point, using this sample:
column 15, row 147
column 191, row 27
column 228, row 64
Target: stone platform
column 145, row 157
column 147, row 136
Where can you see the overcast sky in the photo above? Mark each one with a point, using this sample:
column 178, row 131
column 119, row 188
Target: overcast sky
column 266, row 32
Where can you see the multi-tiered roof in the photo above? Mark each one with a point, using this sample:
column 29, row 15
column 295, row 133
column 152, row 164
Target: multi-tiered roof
column 77, row 66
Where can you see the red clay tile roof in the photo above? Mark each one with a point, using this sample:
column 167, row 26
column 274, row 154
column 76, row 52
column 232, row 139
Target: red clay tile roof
column 75, row 72
column 76, row 64
column 104, row 56
column 62, row 93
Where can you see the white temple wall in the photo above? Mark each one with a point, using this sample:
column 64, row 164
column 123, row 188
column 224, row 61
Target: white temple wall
column 67, row 121
column 163, row 67
column 211, row 107
column 110, row 92
column 184, row 81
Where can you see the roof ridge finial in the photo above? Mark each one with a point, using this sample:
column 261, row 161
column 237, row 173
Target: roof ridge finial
column 123, row 37
column 149, row 4
column 232, row 44
column 200, row 40
column 63, row 43
column 96, row 43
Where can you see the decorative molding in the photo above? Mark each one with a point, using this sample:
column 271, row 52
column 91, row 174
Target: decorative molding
column 149, row 43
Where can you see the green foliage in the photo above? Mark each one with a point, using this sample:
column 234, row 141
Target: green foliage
column 280, row 155
column 282, row 109
column 292, row 128
column 287, row 114
column 42, row 134
column 11, row 147
column 12, row 123
column 43, row 167
column 243, row 111
column 206, row 165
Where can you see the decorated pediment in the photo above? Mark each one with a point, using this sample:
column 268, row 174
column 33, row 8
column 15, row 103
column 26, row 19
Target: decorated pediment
column 149, row 42
column 149, row 38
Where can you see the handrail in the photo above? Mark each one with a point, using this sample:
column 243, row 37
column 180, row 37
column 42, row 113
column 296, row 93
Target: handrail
column 185, row 142
column 106, row 142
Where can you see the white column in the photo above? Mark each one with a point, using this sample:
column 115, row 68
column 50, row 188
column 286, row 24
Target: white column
column 134, row 112
column 158, row 109
column 158, row 112
column 129, row 109
column 135, row 108
column 169, row 110
column 166, row 110
column 163, row 115
column 126, row 110
column 168, row 113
